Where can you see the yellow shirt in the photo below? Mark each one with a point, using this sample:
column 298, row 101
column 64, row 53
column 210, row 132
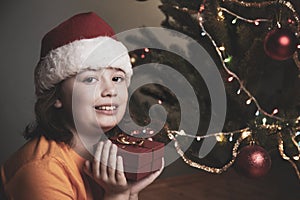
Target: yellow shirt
column 45, row 169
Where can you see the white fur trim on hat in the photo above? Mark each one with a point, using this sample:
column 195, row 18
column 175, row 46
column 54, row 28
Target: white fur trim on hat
column 68, row 60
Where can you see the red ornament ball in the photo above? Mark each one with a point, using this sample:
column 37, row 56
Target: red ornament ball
column 253, row 161
column 280, row 44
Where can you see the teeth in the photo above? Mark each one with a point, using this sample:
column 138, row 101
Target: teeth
column 106, row 107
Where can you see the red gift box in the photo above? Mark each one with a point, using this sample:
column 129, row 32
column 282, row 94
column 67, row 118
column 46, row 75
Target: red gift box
column 140, row 156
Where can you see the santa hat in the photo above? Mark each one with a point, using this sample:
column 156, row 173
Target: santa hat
column 85, row 41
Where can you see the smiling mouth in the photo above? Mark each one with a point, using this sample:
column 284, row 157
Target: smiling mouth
column 106, row 108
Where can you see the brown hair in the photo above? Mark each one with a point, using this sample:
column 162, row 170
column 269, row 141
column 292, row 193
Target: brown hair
column 48, row 119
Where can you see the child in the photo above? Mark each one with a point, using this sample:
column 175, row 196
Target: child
column 81, row 83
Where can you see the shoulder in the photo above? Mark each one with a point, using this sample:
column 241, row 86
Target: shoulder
column 40, row 179
column 40, row 166
column 37, row 152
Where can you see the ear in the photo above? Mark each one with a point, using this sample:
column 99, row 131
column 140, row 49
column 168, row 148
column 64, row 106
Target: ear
column 58, row 103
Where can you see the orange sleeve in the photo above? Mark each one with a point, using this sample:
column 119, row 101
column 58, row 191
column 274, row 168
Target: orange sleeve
column 41, row 179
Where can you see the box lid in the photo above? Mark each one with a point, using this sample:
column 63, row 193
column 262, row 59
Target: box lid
column 138, row 152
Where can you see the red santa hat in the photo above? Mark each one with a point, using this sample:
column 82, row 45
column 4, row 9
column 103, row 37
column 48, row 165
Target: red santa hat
column 85, row 41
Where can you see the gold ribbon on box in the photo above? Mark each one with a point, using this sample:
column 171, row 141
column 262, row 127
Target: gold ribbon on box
column 125, row 139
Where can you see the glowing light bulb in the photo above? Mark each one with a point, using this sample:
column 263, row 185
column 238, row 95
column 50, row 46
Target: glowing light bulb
column 296, row 157
column 264, row 121
column 278, row 25
column 222, row 48
column 228, row 59
column 248, row 101
column 203, row 34
column 230, row 79
column 234, row 21
column 159, row 101
column 132, row 59
column 220, row 16
column 198, row 138
column 220, row 137
column 239, row 91
column 246, row 134
column 275, row 111
column 200, row 19
column 257, row 113
column 146, row 50
column 202, row 7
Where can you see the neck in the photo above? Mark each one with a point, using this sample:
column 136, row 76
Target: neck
column 84, row 150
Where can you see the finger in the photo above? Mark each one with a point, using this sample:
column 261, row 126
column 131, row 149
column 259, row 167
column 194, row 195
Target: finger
column 112, row 161
column 141, row 184
column 120, row 176
column 96, row 162
column 87, row 168
column 162, row 164
column 155, row 174
column 104, row 160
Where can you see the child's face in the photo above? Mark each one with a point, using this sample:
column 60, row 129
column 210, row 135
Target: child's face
column 99, row 99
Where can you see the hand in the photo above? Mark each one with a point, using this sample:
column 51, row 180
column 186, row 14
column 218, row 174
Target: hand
column 107, row 170
column 138, row 186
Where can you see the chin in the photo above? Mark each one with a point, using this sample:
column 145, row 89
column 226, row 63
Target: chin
column 106, row 129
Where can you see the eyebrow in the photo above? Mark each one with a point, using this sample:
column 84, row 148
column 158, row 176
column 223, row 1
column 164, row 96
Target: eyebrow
column 95, row 70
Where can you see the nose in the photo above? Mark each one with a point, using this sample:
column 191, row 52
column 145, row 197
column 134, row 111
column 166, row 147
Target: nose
column 108, row 89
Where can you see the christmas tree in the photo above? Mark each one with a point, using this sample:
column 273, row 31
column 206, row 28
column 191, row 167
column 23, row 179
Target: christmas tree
column 256, row 46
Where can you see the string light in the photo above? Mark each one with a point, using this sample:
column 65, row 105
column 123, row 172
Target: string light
column 275, row 111
column 276, row 126
column 296, row 157
column 257, row 113
column 253, row 21
column 200, row 19
column 184, row 134
column 284, row 156
column 243, row 134
column 132, row 59
column 234, row 21
column 228, row 59
column 220, row 16
column 230, row 79
column 204, row 167
column 278, row 25
column 264, row 121
column 222, row 48
column 249, row 101
column 147, row 50
column 287, row 4
column 220, row 137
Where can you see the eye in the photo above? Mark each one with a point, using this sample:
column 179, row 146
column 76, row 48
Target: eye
column 118, row 79
column 90, row 80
